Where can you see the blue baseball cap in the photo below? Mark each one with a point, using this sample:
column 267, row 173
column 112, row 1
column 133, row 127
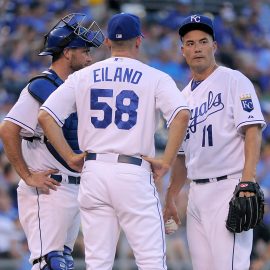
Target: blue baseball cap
column 197, row 22
column 124, row 26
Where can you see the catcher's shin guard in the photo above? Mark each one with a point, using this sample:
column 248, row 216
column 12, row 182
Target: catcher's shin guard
column 68, row 258
column 55, row 261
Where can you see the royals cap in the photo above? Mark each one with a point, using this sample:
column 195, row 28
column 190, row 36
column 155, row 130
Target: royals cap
column 197, row 22
column 124, row 26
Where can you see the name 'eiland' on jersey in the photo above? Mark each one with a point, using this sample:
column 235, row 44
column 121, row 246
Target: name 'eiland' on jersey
column 118, row 75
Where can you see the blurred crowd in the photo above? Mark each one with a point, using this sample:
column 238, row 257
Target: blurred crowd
column 243, row 36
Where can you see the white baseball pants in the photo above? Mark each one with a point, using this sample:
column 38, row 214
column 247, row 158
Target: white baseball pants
column 114, row 196
column 212, row 246
column 49, row 221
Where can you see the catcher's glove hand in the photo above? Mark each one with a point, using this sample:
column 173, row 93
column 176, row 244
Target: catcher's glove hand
column 245, row 212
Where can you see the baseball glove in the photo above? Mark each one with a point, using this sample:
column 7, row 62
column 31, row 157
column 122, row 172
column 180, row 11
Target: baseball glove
column 245, row 212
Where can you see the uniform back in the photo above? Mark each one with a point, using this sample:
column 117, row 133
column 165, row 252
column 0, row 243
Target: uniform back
column 123, row 96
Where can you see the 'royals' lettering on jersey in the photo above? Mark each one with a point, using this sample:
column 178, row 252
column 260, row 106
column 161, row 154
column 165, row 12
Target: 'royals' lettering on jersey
column 199, row 114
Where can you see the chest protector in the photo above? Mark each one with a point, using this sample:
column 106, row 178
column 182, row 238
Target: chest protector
column 40, row 88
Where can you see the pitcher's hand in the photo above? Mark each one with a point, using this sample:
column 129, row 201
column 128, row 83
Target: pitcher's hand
column 170, row 211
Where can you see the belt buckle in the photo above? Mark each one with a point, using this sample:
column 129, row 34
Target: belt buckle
column 42, row 138
column 212, row 180
column 65, row 178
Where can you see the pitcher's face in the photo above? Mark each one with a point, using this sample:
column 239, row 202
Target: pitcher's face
column 199, row 50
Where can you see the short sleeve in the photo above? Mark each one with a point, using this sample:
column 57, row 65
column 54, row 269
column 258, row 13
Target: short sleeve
column 24, row 113
column 246, row 106
column 169, row 98
column 62, row 102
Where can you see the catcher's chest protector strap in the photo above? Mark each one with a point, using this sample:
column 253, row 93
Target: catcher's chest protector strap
column 41, row 86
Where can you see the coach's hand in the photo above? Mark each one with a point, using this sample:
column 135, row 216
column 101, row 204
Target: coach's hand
column 76, row 161
column 159, row 167
column 42, row 180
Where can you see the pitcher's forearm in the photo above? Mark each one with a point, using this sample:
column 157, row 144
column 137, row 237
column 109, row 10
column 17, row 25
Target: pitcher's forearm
column 252, row 151
column 178, row 176
column 177, row 132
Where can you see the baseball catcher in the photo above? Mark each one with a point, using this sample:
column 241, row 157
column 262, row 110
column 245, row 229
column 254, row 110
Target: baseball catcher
column 50, row 235
column 245, row 212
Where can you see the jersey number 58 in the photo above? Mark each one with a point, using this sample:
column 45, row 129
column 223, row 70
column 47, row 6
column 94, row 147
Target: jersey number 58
column 121, row 108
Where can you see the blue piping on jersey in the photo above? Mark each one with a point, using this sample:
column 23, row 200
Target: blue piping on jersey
column 39, row 226
column 19, row 122
column 256, row 122
column 175, row 111
column 233, row 249
column 161, row 223
column 53, row 114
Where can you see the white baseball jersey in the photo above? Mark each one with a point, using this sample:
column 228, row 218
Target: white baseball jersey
column 24, row 114
column 45, row 229
column 220, row 106
column 116, row 101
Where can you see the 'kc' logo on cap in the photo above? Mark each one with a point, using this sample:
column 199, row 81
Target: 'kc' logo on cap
column 197, row 22
column 195, row 18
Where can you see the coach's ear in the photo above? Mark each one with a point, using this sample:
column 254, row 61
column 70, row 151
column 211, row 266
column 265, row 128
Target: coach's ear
column 215, row 46
column 138, row 42
column 108, row 43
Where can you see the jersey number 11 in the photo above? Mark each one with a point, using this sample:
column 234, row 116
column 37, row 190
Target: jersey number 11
column 207, row 136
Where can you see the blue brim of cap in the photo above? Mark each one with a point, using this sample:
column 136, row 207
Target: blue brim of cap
column 196, row 26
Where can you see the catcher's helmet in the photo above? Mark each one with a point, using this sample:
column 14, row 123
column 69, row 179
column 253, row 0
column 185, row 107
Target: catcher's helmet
column 72, row 32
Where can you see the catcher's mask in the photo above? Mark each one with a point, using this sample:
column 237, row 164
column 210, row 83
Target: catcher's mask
column 72, row 31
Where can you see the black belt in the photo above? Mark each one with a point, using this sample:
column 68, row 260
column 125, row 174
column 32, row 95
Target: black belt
column 31, row 139
column 71, row 179
column 120, row 159
column 208, row 180
column 39, row 260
